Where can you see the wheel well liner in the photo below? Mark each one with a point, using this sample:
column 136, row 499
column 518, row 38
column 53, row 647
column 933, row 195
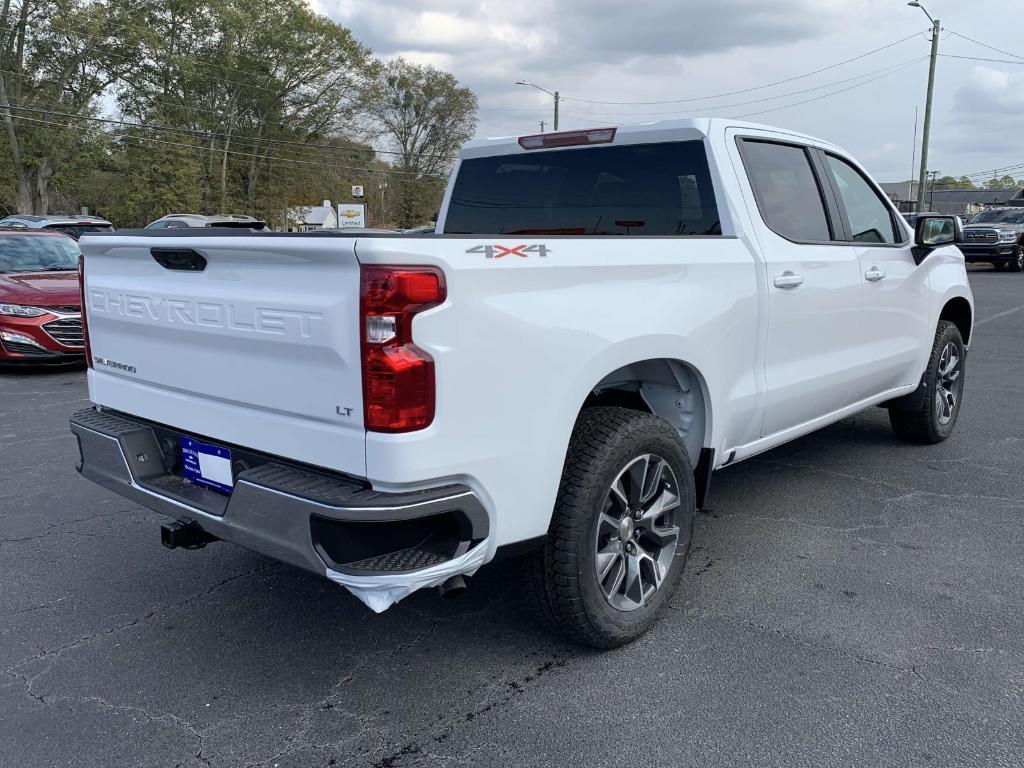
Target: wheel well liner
column 958, row 311
column 670, row 389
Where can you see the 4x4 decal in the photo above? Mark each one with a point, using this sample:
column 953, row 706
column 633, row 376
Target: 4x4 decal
column 500, row 251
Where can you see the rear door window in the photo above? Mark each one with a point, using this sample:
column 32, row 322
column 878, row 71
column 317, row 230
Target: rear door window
column 637, row 189
column 786, row 189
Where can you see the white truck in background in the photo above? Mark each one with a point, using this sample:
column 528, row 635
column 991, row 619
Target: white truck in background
column 603, row 318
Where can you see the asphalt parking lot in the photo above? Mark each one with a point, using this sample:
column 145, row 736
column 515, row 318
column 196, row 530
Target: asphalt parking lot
column 851, row 600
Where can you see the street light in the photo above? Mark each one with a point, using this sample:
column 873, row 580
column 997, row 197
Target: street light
column 923, row 175
column 915, row 4
column 549, row 93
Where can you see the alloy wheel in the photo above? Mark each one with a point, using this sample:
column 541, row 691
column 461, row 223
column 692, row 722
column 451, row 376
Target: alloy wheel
column 637, row 532
column 947, row 384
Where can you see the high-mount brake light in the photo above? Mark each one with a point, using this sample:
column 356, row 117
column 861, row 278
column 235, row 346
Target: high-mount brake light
column 85, row 319
column 398, row 376
column 568, row 138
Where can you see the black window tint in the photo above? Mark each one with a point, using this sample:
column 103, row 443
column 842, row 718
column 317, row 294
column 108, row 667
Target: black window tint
column 787, row 192
column 638, row 189
column 867, row 217
column 77, row 230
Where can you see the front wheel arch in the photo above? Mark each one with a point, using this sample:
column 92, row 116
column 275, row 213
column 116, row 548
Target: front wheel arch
column 958, row 311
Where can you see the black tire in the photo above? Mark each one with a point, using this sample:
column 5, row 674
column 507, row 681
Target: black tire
column 933, row 423
column 1018, row 264
column 563, row 585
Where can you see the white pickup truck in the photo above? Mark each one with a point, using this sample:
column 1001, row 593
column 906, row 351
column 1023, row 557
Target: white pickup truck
column 602, row 319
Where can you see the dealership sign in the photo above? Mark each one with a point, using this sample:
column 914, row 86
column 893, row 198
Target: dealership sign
column 351, row 216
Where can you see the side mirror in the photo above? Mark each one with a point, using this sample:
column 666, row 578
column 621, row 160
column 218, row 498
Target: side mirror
column 932, row 232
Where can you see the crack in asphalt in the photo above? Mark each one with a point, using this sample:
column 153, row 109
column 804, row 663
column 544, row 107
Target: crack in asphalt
column 86, row 639
column 49, row 530
column 778, row 631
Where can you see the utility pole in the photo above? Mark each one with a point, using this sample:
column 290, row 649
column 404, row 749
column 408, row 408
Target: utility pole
column 913, row 160
column 926, row 131
column 542, row 126
column 553, row 94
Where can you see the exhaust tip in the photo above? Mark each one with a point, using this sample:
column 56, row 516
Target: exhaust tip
column 452, row 587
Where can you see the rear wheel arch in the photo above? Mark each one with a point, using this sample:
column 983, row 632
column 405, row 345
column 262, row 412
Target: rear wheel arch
column 958, row 311
column 668, row 388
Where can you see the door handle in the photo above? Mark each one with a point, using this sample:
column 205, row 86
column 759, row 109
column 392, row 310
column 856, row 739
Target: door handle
column 874, row 274
column 788, row 280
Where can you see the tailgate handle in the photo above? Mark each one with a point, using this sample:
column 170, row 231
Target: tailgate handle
column 181, row 259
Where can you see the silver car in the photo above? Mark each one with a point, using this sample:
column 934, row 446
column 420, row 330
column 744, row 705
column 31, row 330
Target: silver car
column 191, row 220
column 75, row 226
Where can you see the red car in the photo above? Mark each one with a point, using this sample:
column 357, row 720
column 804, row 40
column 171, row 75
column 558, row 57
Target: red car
column 40, row 301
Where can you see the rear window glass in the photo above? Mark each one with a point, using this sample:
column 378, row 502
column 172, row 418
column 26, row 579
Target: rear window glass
column 77, row 230
column 638, row 189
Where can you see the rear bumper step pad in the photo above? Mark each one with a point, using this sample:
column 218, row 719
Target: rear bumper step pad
column 316, row 520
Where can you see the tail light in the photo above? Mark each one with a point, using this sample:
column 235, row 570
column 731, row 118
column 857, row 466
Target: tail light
column 398, row 376
column 85, row 319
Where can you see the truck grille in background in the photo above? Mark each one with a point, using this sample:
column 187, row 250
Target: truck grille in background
column 984, row 236
column 66, row 331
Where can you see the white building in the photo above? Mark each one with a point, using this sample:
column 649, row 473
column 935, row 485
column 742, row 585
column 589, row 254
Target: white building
column 310, row 218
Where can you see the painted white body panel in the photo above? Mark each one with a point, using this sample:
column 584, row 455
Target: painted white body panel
column 520, row 343
column 259, row 349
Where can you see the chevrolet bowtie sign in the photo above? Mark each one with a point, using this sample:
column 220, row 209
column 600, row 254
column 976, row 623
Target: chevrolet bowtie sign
column 351, row 216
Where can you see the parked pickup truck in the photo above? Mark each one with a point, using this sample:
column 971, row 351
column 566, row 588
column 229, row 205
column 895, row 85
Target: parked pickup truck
column 996, row 236
column 602, row 319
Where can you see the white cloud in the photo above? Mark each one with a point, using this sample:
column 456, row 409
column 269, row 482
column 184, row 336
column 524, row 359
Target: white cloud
column 651, row 50
column 991, row 91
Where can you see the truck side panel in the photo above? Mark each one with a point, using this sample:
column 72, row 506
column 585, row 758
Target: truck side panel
column 521, row 341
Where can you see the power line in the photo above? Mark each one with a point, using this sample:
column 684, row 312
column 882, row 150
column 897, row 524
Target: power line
column 891, row 67
column 976, row 58
column 986, row 45
column 205, row 150
column 831, row 93
column 753, row 88
column 210, row 134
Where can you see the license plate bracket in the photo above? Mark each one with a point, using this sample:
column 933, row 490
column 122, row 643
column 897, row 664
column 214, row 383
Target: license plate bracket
column 207, row 465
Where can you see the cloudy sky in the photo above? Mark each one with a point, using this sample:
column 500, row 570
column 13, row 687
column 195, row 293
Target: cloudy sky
column 634, row 51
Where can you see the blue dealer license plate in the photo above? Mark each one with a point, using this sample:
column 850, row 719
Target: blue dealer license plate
column 208, row 465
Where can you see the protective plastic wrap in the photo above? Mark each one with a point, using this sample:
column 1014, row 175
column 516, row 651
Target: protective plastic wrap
column 381, row 592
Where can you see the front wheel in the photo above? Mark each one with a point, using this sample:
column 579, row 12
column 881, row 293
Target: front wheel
column 1017, row 265
column 944, row 379
column 620, row 531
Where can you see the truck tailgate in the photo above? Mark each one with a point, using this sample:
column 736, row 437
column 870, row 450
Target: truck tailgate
column 254, row 343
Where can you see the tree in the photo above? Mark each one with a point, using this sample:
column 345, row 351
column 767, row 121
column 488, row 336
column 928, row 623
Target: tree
column 951, row 182
column 261, row 90
column 425, row 116
column 1004, row 182
column 56, row 58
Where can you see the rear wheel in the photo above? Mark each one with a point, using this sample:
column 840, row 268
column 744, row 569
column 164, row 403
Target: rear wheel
column 620, row 531
column 944, row 379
